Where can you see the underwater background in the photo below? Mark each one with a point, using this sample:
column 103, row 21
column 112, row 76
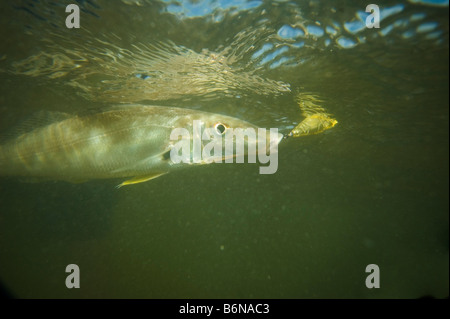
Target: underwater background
column 371, row 190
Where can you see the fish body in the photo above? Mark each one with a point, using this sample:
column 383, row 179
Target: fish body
column 126, row 141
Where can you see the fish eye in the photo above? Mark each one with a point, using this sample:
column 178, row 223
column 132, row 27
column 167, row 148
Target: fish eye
column 220, row 128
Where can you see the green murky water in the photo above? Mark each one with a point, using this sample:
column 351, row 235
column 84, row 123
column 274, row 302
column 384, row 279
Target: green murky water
column 372, row 190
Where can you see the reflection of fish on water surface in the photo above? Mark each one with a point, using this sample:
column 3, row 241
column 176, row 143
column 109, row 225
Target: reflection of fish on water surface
column 126, row 141
column 159, row 71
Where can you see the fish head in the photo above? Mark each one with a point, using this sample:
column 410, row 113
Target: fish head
column 218, row 138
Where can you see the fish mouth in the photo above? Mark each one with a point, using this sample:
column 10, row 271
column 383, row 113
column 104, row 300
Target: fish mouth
column 278, row 139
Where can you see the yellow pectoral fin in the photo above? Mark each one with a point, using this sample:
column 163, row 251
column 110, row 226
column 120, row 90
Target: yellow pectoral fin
column 140, row 179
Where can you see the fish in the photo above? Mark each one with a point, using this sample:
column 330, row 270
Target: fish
column 126, row 141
